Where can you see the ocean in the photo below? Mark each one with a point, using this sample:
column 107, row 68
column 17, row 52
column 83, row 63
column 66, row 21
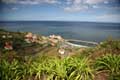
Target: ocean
column 88, row 31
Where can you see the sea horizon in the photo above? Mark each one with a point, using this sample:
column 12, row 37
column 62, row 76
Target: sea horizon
column 60, row 21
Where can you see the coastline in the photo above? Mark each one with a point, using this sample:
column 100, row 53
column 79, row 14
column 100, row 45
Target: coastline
column 26, row 51
column 76, row 45
column 88, row 31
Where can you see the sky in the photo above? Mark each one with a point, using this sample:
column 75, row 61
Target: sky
column 60, row 10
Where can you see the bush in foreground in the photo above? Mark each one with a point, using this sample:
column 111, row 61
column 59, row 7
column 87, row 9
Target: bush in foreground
column 76, row 68
column 110, row 64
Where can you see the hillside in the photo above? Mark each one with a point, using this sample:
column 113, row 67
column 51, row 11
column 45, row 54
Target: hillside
column 27, row 56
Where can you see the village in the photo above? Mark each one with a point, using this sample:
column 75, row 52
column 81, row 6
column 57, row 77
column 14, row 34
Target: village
column 30, row 40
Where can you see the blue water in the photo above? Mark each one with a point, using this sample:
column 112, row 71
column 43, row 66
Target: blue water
column 89, row 31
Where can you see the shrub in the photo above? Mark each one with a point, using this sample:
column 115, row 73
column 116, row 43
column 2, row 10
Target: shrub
column 62, row 69
column 10, row 71
column 111, row 44
column 80, row 69
column 109, row 63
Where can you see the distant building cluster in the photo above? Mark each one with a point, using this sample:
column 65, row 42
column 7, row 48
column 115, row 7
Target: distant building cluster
column 7, row 36
column 30, row 38
column 54, row 39
column 64, row 50
column 7, row 44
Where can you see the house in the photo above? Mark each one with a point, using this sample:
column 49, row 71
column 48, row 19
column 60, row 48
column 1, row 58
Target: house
column 61, row 51
column 10, row 36
column 29, row 35
column 8, row 46
column 4, row 36
column 29, row 38
column 34, row 38
column 52, row 36
column 55, row 39
column 7, row 36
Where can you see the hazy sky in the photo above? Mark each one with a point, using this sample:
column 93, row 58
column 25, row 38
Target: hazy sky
column 60, row 10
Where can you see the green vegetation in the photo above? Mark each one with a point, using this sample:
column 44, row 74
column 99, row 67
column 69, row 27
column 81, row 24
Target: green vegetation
column 20, row 46
column 99, row 63
column 51, row 68
column 111, row 64
column 11, row 71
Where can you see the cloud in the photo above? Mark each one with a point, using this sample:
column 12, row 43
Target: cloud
column 51, row 1
column 14, row 8
column 68, row 2
column 106, row 2
column 90, row 2
column 109, row 18
column 78, row 5
column 75, row 8
column 95, row 1
column 95, row 6
column 72, row 9
column 77, row 1
column 30, row 1
column 68, row 5
column 9, row 1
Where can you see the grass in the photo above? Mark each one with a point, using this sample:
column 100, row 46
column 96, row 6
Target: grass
column 46, row 64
